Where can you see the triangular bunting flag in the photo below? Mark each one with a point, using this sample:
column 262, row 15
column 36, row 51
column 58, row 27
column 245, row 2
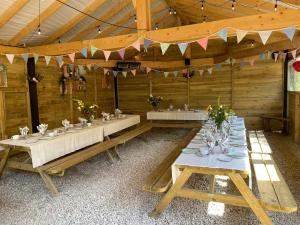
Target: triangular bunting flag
column 269, row 55
column 59, row 60
column 166, row 74
column 262, row 56
column 137, row 45
column 148, row 69
column 264, row 36
column 182, row 47
column 36, row 58
column 218, row 66
column 251, row 62
column 184, row 71
column 124, row 73
column 93, row 50
column 276, row 56
column 47, row 59
column 122, row 52
column 84, row 52
column 164, row 47
column 89, row 66
column 233, row 61
column 284, row 56
column 201, row 72
column 105, row 71
column 115, row 73
column 223, row 34
column 210, row 70
column 133, row 72
column 240, row 34
column 10, row 58
column 106, row 54
column 25, row 57
column 147, row 43
column 290, row 32
column 294, row 53
column 203, row 43
column 175, row 73
column 72, row 56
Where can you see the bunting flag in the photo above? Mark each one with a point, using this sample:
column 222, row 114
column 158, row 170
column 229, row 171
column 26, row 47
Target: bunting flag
column 59, row 60
column 89, row 66
column 264, row 36
column 93, row 50
column 72, row 57
column 81, row 69
column 251, row 62
column 84, row 52
column 201, row 72
column 105, row 71
column 133, row 72
column 184, row 71
column 115, row 73
column 47, row 59
column 262, row 56
column 106, row 54
column 269, row 55
column 289, row 32
column 175, row 73
column 36, row 58
column 166, row 74
column 137, row 45
column 218, row 66
column 284, row 56
column 223, row 34
column 10, row 57
column 233, row 61
column 203, row 43
column 122, row 52
column 124, row 73
column 294, row 53
column 183, row 47
column 240, row 34
column 228, row 60
column 25, row 57
column 210, row 70
column 148, row 69
column 147, row 43
column 164, row 47
column 276, row 56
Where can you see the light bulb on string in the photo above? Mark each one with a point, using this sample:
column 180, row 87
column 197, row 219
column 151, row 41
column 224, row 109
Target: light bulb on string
column 99, row 31
column 59, row 40
column 39, row 30
column 135, row 18
column 170, row 11
column 202, row 6
column 204, row 19
column 174, row 12
column 252, row 44
column 275, row 7
column 156, row 26
column 232, row 5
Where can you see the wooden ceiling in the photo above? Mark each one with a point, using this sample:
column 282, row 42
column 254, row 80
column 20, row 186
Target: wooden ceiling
column 19, row 19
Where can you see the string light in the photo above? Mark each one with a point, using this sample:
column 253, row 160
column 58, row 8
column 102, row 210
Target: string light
column 232, row 5
column 275, row 8
column 202, row 6
column 39, row 30
column 204, row 19
column 156, row 26
column 99, row 31
column 170, row 11
column 135, row 18
column 59, row 40
column 39, row 26
column 252, row 44
column 174, row 12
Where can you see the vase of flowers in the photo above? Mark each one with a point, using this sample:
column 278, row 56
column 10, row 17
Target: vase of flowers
column 218, row 113
column 87, row 110
column 155, row 101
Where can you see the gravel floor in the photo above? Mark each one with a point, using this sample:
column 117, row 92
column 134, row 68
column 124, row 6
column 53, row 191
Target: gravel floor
column 95, row 192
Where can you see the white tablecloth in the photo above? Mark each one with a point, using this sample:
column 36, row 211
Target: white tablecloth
column 211, row 161
column 177, row 115
column 44, row 151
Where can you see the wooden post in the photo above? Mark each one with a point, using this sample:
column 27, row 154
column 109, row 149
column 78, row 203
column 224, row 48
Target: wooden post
column 2, row 114
column 71, row 101
column 297, row 119
column 143, row 13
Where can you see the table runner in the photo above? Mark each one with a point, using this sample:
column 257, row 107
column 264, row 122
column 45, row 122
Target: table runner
column 177, row 115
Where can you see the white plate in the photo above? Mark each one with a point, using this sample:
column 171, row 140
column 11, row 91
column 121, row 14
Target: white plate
column 224, row 158
column 190, row 150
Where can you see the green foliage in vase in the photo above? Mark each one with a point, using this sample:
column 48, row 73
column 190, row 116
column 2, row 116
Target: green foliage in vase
column 155, row 100
column 87, row 110
column 219, row 113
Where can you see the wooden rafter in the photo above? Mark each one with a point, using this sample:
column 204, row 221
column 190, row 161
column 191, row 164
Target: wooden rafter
column 75, row 20
column 11, row 11
column 143, row 12
column 35, row 22
column 110, row 13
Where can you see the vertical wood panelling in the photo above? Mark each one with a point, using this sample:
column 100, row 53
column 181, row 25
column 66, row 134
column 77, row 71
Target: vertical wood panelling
column 294, row 115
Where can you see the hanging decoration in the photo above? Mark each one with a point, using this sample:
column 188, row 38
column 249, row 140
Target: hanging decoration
column 223, row 34
column 106, row 54
column 47, row 59
column 10, row 58
column 25, row 57
column 182, row 47
column 164, row 47
column 93, row 50
column 264, row 36
column 296, row 66
column 122, row 53
column 203, row 43
column 84, row 52
column 290, row 32
column 240, row 34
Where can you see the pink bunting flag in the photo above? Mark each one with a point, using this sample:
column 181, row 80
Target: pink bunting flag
column 122, row 53
column 184, row 71
column 252, row 62
column 148, row 69
column 133, row 72
column 276, row 56
column 284, row 56
column 106, row 54
column 137, row 45
column 10, row 57
column 105, row 71
column 294, row 53
column 72, row 56
column 203, row 43
column 89, row 66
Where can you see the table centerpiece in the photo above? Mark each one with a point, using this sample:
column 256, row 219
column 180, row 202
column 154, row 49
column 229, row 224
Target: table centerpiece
column 155, row 101
column 87, row 110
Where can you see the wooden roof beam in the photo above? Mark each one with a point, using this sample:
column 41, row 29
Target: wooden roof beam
column 143, row 13
column 35, row 22
column 75, row 20
column 11, row 11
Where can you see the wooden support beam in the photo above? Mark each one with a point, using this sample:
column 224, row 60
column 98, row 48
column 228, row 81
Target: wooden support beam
column 143, row 13
column 11, row 11
column 35, row 22
column 134, row 3
column 75, row 20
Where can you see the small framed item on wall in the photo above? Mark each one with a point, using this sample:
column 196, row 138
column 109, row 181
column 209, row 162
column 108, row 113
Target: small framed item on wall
column 3, row 75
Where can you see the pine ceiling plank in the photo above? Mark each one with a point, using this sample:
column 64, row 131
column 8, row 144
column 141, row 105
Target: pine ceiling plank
column 35, row 22
column 75, row 20
column 110, row 13
column 11, row 11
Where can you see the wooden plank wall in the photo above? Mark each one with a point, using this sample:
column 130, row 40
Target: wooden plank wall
column 294, row 115
column 250, row 91
column 53, row 108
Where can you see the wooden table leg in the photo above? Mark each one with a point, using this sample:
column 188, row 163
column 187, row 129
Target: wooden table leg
column 4, row 161
column 168, row 197
column 49, row 183
column 250, row 199
column 116, row 153
column 212, row 181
